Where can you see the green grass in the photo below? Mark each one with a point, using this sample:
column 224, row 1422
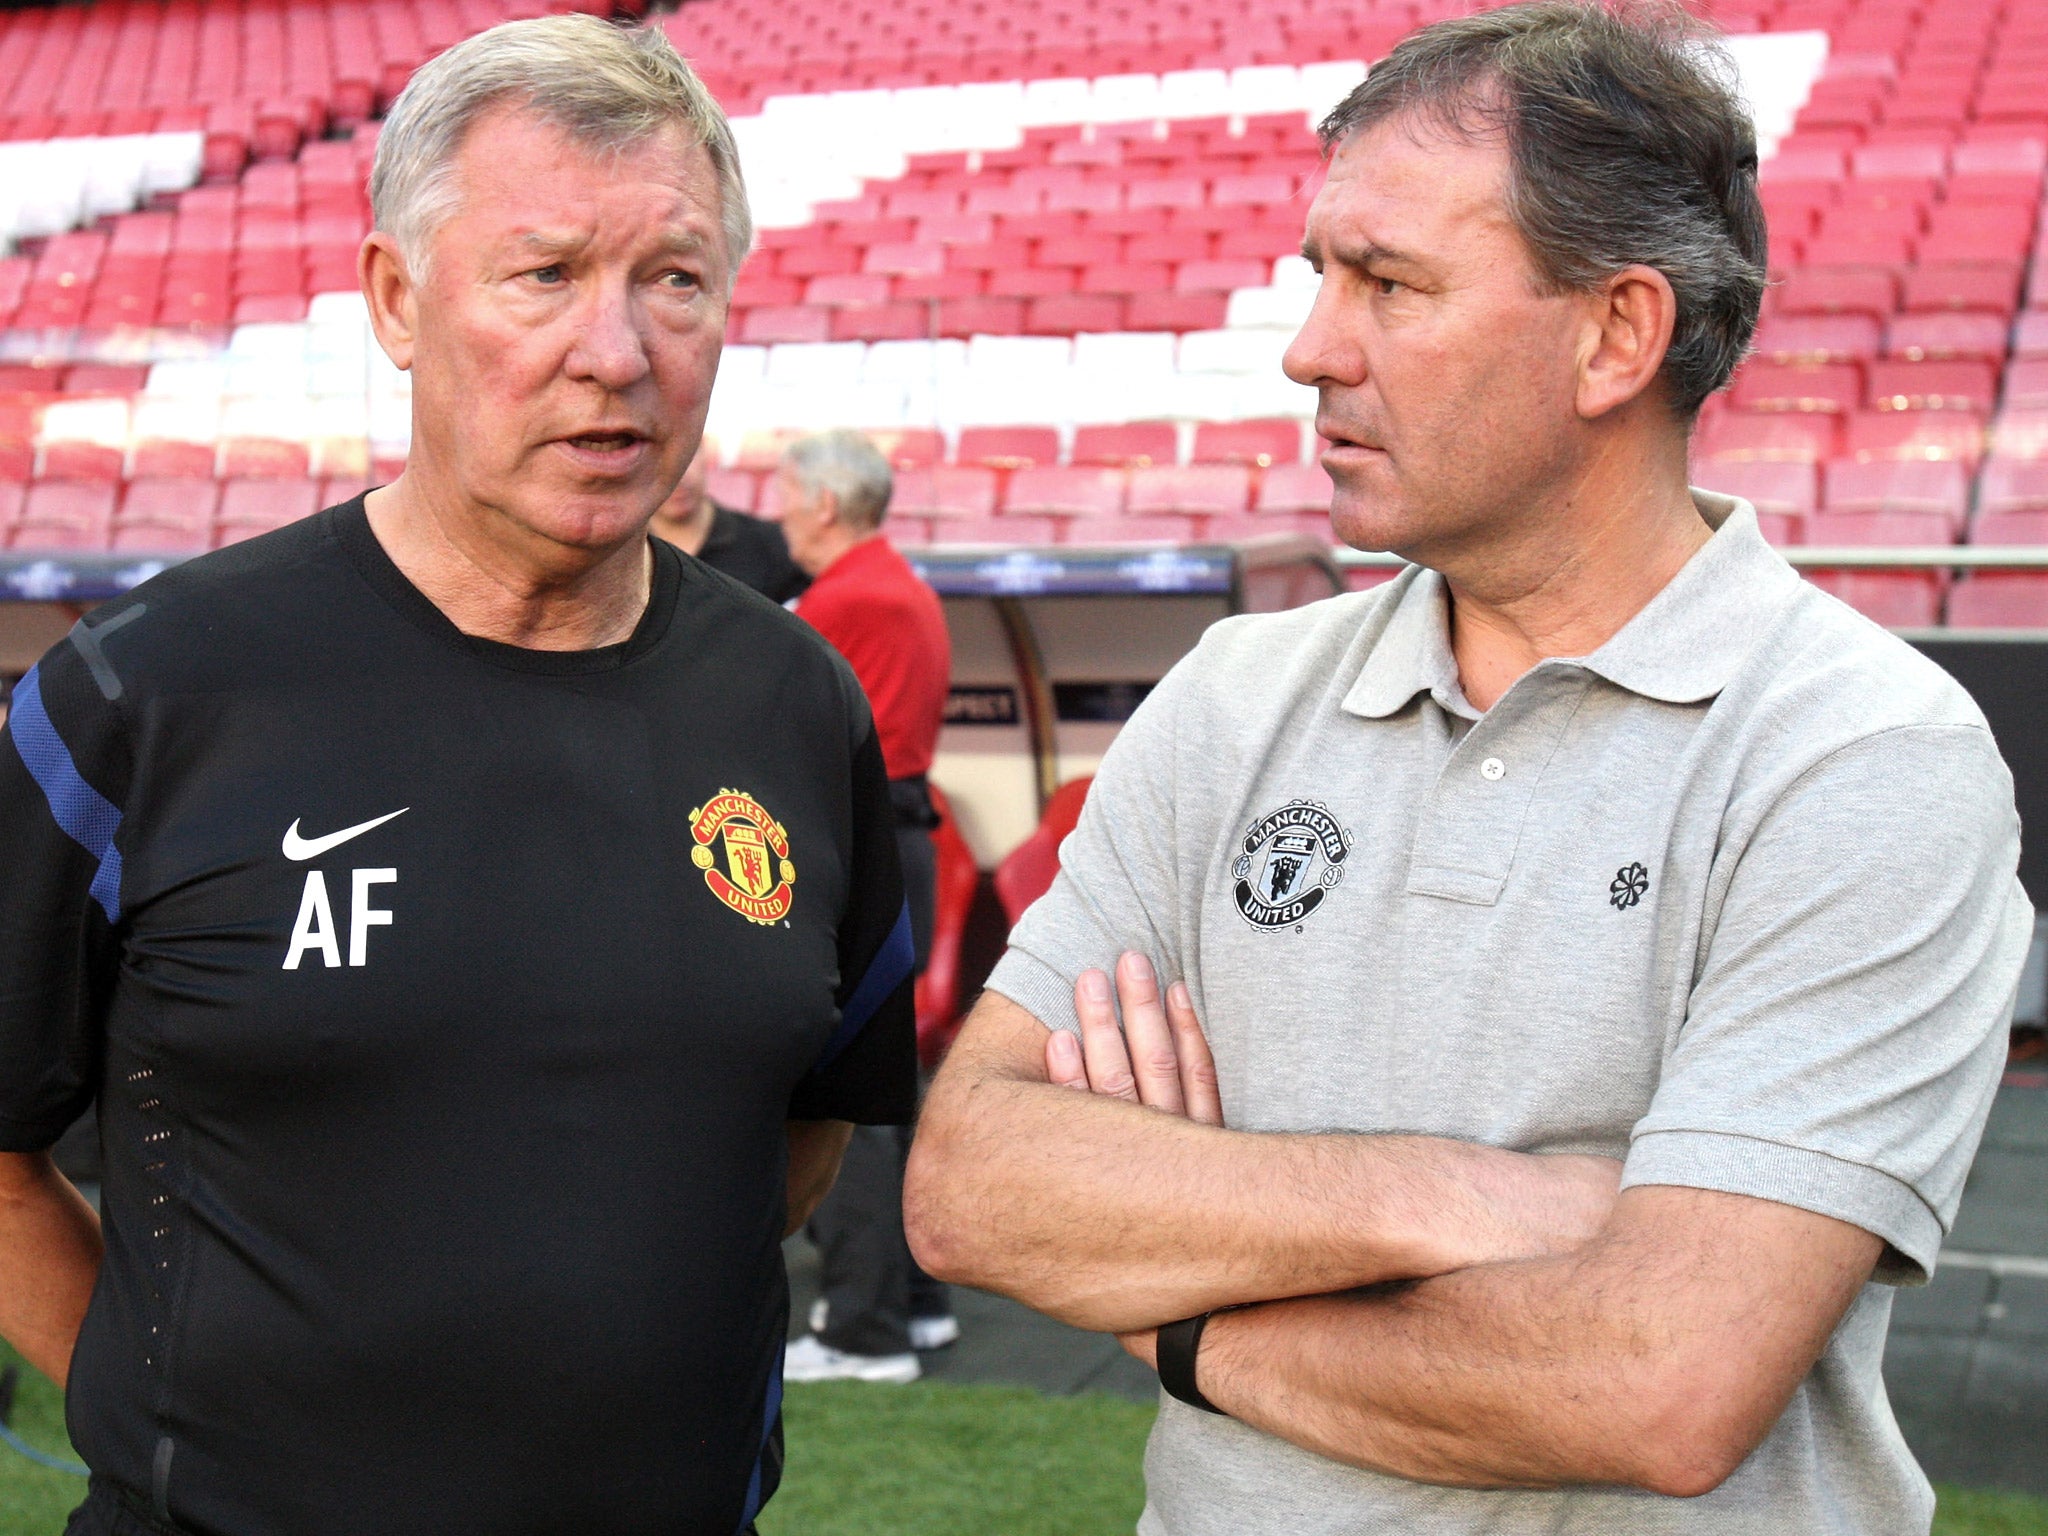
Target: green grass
column 927, row 1460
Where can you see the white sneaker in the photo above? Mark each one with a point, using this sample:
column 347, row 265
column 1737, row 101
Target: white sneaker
column 934, row 1332
column 810, row 1358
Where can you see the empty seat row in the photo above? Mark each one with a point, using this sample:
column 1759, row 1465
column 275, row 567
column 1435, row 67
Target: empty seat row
column 157, row 516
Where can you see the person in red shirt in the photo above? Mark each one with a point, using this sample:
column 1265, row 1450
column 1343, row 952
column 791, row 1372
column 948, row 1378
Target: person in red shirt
column 876, row 1307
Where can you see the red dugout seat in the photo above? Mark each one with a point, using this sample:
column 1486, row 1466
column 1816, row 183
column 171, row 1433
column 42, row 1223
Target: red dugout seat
column 938, row 989
column 65, row 514
column 1027, row 872
column 1008, row 447
column 1157, row 529
column 1194, row 490
column 1999, row 600
column 946, row 493
column 1136, row 445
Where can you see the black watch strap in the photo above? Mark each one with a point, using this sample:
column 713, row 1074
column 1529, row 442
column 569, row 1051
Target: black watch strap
column 1177, row 1343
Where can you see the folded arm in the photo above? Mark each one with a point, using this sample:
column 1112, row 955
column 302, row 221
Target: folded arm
column 1113, row 1215
column 815, row 1150
column 1657, row 1357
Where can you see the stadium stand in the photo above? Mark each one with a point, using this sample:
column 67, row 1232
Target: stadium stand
column 1043, row 250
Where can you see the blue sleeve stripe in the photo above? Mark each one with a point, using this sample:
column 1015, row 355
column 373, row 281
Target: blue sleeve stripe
column 88, row 817
column 892, row 966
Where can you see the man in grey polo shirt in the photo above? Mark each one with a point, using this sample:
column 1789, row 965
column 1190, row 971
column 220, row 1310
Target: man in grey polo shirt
column 1601, row 934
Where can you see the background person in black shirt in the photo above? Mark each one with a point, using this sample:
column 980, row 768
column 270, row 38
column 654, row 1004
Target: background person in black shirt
column 748, row 549
column 477, row 922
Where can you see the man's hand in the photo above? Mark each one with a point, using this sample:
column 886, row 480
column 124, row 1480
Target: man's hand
column 1159, row 1058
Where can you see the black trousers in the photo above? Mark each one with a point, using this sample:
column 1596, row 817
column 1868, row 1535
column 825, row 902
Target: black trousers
column 871, row 1285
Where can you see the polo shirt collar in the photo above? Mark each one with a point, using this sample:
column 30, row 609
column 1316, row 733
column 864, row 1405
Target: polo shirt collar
column 1685, row 644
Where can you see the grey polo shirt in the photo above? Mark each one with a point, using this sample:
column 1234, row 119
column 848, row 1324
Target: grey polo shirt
column 1732, row 898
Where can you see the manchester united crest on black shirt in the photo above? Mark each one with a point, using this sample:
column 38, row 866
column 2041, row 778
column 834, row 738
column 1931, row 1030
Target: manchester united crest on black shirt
column 1291, row 859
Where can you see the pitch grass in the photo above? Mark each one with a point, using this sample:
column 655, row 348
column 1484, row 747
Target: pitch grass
column 927, row 1460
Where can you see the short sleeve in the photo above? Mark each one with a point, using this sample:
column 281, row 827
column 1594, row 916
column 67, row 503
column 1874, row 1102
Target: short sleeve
column 63, row 777
column 1847, row 1028
column 867, row 1072
column 1118, row 885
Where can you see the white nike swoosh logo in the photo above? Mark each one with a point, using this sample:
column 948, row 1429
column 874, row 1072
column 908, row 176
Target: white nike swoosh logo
column 298, row 849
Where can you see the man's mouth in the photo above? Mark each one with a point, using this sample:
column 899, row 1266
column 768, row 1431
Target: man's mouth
column 605, row 442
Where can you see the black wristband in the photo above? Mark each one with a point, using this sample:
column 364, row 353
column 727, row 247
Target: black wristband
column 1177, row 1343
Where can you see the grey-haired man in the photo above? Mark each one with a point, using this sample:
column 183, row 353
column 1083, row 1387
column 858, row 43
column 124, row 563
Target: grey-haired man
column 1595, row 847
column 477, row 921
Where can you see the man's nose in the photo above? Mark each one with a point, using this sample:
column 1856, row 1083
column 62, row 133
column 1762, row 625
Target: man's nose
column 1324, row 351
column 611, row 345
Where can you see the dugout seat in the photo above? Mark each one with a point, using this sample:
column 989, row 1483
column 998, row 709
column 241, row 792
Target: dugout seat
column 1027, row 872
column 938, row 989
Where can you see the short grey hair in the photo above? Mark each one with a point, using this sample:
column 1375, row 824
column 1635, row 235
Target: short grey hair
column 1628, row 145
column 850, row 467
column 607, row 86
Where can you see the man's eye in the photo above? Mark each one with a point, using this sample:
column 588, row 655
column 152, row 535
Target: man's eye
column 675, row 277
column 547, row 275
column 1388, row 286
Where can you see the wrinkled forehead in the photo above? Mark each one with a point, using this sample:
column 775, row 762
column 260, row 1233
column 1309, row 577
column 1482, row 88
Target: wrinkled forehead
column 520, row 164
column 1419, row 174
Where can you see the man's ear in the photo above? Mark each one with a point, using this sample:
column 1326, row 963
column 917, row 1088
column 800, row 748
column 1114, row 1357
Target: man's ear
column 828, row 509
column 1630, row 319
column 392, row 296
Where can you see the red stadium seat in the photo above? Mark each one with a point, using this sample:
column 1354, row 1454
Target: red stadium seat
column 1785, row 490
column 1952, row 385
column 1838, row 293
column 165, row 515
column 1126, row 447
column 948, row 493
column 986, row 316
column 1915, row 487
column 881, row 322
column 1273, row 441
column 2021, row 434
column 1988, row 288
column 1946, row 335
column 2026, row 384
column 65, row 514
column 1855, row 529
column 1294, row 489
column 2013, row 486
column 1899, row 599
column 12, row 494
column 66, row 460
column 250, row 507
column 1160, row 529
column 2015, row 528
column 1832, row 387
column 1008, row 447
column 1051, row 490
column 1999, row 600
column 1819, row 338
column 1941, row 435
column 779, row 323
column 1177, row 311
column 1768, row 437
column 1194, row 489
column 993, row 530
column 910, row 447
column 1073, row 313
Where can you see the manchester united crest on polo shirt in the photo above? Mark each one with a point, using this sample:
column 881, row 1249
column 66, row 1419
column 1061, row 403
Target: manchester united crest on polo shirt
column 744, row 853
column 1292, row 858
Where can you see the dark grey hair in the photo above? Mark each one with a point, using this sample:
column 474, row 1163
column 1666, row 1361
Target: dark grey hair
column 607, row 86
column 1628, row 143
column 850, row 467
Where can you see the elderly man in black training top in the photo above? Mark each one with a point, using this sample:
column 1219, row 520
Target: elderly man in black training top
column 1597, row 930
column 477, row 922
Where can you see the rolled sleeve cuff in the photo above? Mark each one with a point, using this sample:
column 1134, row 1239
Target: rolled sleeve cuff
column 1812, row 1181
column 1044, row 993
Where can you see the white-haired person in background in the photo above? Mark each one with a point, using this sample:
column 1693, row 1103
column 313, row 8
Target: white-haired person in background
column 477, row 921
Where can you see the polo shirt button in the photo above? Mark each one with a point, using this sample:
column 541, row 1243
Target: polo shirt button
column 1493, row 770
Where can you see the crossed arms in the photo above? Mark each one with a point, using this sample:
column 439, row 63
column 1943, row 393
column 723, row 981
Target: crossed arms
column 1552, row 1333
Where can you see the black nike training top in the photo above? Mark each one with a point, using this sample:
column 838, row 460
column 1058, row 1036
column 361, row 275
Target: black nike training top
column 444, row 1002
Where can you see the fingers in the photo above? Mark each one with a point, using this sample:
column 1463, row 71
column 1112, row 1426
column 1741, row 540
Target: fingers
column 1148, row 1038
column 1199, row 1092
column 1064, row 1067
column 1102, row 1042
